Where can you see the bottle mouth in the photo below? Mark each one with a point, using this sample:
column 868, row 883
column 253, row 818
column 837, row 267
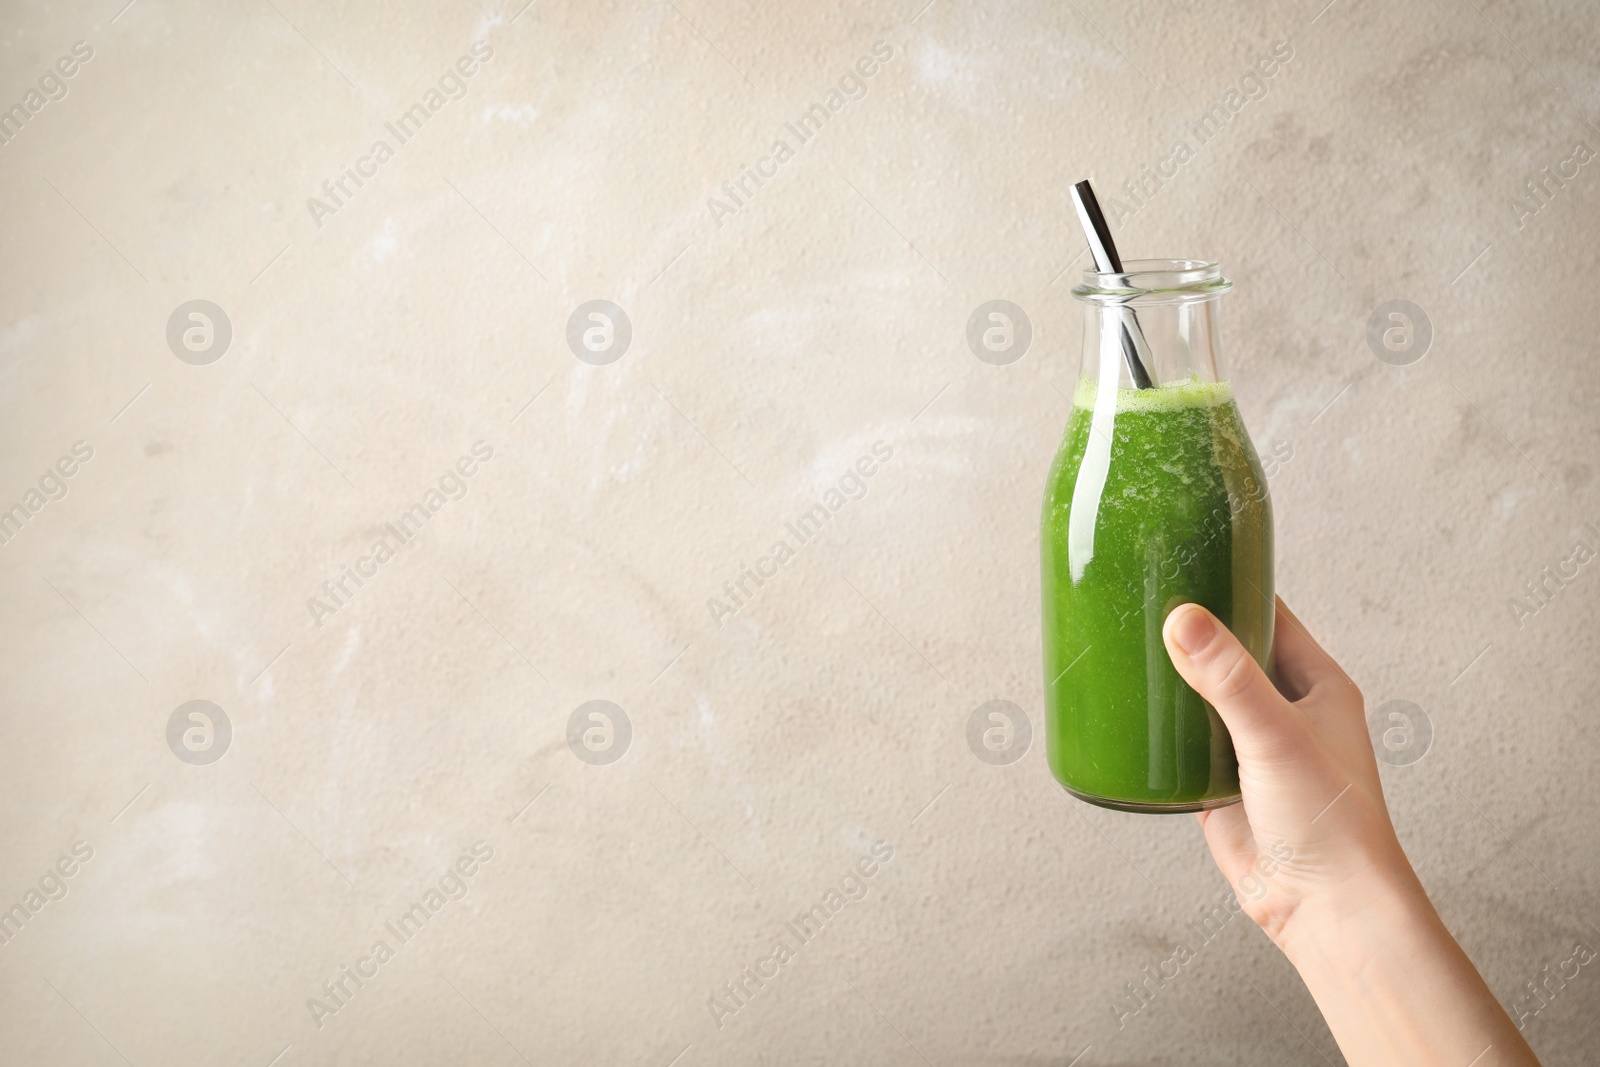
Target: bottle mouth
column 1154, row 281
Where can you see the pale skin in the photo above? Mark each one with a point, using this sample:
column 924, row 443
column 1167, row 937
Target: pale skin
column 1345, row 906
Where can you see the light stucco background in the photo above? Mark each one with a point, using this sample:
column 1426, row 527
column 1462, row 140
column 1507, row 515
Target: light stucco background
column 772, row 345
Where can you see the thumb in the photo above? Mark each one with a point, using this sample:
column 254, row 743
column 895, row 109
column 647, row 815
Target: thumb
column 1263, row 724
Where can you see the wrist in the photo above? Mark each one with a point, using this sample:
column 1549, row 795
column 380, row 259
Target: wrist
column 1392, row 984
column 1339, row 931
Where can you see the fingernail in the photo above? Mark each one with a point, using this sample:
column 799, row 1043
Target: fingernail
column 1194, row 629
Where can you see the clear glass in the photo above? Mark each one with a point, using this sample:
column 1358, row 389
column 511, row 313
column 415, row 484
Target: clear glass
column 1156, row 498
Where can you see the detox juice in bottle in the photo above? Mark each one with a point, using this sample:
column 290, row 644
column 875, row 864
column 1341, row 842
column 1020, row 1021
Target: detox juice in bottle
column 1155, row 499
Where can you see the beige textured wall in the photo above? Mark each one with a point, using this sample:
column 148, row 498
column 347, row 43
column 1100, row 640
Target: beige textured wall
column 772, row 345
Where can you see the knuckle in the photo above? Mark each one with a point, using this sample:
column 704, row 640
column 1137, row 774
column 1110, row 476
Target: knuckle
column 1234, row 672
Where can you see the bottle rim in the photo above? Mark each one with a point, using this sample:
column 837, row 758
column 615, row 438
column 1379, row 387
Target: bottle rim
column 1154, row 281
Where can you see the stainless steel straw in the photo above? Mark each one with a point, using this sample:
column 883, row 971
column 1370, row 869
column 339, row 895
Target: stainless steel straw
column 1135, row 348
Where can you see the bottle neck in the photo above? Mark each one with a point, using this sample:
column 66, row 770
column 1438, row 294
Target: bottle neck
column 1180, row 342
column 1163, row 312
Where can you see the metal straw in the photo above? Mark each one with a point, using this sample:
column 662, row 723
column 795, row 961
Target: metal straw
column 1134, row 346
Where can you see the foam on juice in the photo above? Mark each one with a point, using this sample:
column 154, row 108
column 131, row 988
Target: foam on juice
column 1168, row 396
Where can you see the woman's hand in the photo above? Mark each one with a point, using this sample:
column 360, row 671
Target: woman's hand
column 1313, row 819
column 1313, row 856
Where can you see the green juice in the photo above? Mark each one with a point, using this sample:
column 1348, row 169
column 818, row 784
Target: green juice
column 1155, row 499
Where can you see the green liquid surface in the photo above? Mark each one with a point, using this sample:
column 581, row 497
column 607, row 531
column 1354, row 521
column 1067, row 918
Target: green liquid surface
column 1171, row 508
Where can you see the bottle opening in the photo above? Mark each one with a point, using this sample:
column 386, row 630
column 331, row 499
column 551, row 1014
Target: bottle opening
column 1148, row 282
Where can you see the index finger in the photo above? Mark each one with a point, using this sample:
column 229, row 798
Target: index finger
column 1301, row 663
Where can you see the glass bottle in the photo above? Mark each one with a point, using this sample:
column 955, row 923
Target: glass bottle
column 1156, row 498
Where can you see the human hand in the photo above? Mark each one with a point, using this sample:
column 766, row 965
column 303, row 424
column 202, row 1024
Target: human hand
column 1313, row 857
column 1313, row 818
